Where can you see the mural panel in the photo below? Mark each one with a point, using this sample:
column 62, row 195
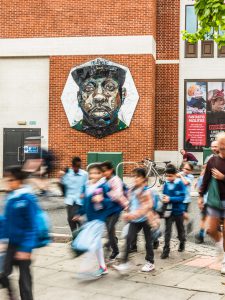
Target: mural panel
column 99, row 97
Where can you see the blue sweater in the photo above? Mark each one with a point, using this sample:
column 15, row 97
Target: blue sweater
column 108, row 207
column 20, row 223
column 176, row 191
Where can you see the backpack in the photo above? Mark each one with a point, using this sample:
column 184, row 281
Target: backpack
column 43, row 228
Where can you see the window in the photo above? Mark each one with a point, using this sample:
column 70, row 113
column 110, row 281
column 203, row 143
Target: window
column 221, row 51
column 191, row 25
column 208, row 46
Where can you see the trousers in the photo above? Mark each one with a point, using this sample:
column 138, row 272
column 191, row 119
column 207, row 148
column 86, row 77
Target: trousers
column 131, row 237
column 25, row 279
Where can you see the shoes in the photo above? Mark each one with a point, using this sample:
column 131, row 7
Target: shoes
column 113, row 256
column 123, row 268
column 100, row 272
column 199, row 239
column 223, row 268
column 148, row 267
column 165, row 254
column 181, row 247
column 156, row 244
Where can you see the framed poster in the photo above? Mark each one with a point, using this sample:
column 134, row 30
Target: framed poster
column 204, row 112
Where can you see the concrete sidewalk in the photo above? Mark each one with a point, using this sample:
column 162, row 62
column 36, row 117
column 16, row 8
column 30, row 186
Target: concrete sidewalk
column 191, row 275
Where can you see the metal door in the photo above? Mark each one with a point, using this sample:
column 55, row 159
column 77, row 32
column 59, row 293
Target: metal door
column 13, row 144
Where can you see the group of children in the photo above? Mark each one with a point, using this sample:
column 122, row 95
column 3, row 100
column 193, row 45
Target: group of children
column 105, row 197
column 102, row 199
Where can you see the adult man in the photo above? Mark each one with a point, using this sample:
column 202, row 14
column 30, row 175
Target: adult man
column 100, row 97
column 188, row 157
column 74, row 181
column 215, row 151
column 215, row 168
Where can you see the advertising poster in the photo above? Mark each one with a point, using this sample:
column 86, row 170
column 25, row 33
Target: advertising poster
column 195, row 116
column 204, row 113
column 215, row 110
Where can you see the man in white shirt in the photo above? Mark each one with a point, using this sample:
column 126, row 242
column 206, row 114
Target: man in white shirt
column 74, row 181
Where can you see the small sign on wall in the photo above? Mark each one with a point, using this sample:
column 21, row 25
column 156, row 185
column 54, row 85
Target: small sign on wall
column 32, row 123
column 31, row 149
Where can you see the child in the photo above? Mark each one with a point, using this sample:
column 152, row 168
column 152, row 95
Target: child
column 20, row 230
column 140, row 205
column 97, row 206
column 116, row 194
column 187, row 178
column 174, row 195
column 199, row 238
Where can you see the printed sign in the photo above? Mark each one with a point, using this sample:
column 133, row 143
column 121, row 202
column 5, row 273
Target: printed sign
column 31, row 149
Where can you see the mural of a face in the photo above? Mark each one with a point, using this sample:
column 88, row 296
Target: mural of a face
column 100, row 94
column 100, row 100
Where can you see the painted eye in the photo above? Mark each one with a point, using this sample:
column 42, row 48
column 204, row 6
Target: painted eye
column 110, row 86
column 90, row 87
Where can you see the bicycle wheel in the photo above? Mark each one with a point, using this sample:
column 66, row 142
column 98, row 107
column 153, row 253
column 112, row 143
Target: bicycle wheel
column 152, row 178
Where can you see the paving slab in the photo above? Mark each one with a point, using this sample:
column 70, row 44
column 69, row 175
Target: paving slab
column 160, row 293
column 204, row 283
column 206, row 296
column 166, row 278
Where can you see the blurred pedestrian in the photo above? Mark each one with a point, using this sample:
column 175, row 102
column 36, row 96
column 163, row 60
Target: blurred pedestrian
column 74, row 181
column 214, row 149
column 187, row 178
column 139, row 208
column 173, row 197
column 116, row 194
column 214, row 184
column 20, row 230
column 97, row 206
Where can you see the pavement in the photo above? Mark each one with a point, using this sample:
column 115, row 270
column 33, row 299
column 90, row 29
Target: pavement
column 193, row 275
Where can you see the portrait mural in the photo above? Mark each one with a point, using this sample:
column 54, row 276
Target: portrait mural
column 99, row 97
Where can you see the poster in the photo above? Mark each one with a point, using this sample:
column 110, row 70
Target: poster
column 204, row 113
column 215, row 110
column 195, row 118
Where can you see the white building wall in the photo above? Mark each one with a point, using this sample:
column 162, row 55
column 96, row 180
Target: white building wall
column 195, row 68
column 24, row 95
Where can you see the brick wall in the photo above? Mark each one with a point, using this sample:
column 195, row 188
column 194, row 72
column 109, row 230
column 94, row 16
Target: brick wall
column 167, row 107
column 168, row 29
column 47, row 18
column 136, row 142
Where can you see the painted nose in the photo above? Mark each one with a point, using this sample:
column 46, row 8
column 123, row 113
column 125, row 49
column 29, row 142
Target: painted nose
column 99, row 99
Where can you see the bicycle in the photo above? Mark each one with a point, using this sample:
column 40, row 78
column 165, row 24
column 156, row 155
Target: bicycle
column 154, row 172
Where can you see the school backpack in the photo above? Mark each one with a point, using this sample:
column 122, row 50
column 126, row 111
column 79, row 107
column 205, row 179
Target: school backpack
column 43, row 237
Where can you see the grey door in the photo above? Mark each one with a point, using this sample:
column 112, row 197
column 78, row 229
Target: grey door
column 13, row 144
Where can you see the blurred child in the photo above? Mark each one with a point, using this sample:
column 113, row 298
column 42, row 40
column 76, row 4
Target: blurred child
column 174, row 194
column 139, row 208
column 199, row 238
column 187, row 178
column 20, row 230
column 97, row 206
column 116, row 194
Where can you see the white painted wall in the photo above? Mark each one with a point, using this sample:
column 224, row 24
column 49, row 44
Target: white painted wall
column 24, row 95
column 95, row 45
column 195, row 68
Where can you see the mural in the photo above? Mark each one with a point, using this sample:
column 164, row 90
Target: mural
column 99, row 97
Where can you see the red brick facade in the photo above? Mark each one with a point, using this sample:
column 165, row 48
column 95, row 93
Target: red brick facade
column 47, row 18
column 167, row 106
column 168, row 29
column 136, row 142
